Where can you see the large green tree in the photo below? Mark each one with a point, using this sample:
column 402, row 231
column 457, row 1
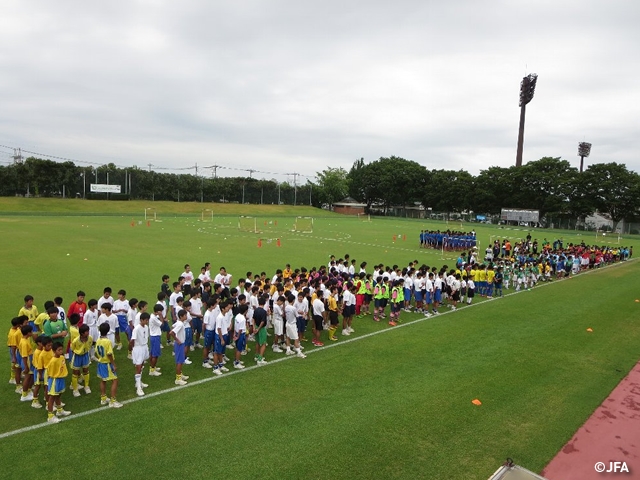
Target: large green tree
column 333, row 185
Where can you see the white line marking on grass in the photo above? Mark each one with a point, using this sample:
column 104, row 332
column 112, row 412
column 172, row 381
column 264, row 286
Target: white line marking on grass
column 282, row 359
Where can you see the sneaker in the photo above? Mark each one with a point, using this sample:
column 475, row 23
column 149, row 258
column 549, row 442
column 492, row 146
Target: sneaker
column 319, row 344
column 87, row 390
column 76, row 393
column 199, row 345
column 210, row 356
column 206, row 365
column 290, row 352
column 143, row 385
column 140, row 392
column 262, row 362
column 161, row 346
column 19, row 389
column 251, row 338
column 187, row 361
column 192, row 348
column 277, row 350
column 185, row 377
column 119, row 346
column 114, row 404
column 216, row 371
column 180, row 382
column 53, row 419
column 225, row 359
column 104, row 401
column 12, row 381
column 62, row 413
column 301, row 355
column 238, row 365
column 231, row 346
column 223, row 369
column 27, row 398
column 129, row 356
column 392, row 323
column 36, row 404
column 345, row 332
column 333, row 339
column 244, row 352
column 158, row 369
column 80, row 387
column 154, row 373
column 351, row 330
column 170, row 344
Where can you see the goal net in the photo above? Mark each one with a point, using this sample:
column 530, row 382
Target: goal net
column 247, row 224
column 303, row 225
column 365, row 217
column 150, row 214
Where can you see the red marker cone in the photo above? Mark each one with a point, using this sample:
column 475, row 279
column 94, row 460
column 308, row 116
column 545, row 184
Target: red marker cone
column 404, row 238
column 133, row 224
column 259, row 243
column 276, row 223
column 148, row 223
column 278, row 242
column 394, row 238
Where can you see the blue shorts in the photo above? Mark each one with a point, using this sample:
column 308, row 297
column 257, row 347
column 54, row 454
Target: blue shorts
column 105, row 372
column 227, row 341
column 437, row 295
column 241, row 343
column 418, row 295
column 122, row 322
column 19, row 361
column 40, row 378
column 55, row 386
column 301, row 324
column 217, row 345
column 407, row 294
column 80, row 361
column 427, row 298
column 196, row 324
column 188, row 337
column 179, row 351
column 155, row 350
column 128, row 331
column 165, row 327
column 209, row 338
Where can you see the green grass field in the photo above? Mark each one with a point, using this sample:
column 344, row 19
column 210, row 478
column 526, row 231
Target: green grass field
column 395, row 403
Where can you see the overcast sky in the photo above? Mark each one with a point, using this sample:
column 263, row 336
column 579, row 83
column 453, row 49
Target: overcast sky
column 296, row 86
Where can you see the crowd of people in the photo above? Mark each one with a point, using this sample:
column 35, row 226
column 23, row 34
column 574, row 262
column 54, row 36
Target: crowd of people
column 447, row 240
column 204, row 317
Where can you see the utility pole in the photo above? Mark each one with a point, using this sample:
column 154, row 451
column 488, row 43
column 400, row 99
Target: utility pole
column 295, row 188
column 17, row 155
column 153, row 193
column 527, row 89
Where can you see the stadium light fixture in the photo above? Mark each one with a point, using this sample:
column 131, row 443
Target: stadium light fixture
column 527, row 89
column 584, row 149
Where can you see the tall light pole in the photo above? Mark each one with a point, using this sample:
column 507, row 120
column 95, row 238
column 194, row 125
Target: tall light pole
column 527, row 89
column 584, row 149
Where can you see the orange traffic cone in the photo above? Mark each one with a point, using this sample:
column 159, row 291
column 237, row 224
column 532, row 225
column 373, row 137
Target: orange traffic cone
column 259, row 243
column 278, row 242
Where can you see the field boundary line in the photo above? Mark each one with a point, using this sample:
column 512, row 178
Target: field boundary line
column 37, row 426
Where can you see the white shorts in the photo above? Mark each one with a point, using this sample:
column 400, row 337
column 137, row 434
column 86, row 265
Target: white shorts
column 140, row 354
column 278, row 327
column 292, row 331
column 93, row 331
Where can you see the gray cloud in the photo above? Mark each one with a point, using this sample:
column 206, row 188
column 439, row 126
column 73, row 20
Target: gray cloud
column 287, row 86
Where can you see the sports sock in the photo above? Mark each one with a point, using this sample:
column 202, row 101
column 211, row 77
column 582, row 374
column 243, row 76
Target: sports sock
column 74, row 382
column 86, row 379
column 138, row 378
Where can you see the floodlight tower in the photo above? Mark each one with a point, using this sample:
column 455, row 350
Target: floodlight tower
column 584, row 149
column 527, row 88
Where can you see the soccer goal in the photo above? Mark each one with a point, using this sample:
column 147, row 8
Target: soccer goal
column 607, row 237
column 150, row 214
column 248, row 224
column 207, row 215
column 303, row 225
column 364, row 217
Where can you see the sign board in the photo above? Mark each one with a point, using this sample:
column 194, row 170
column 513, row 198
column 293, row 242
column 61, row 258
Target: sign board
column 520, row 215
column 103, row 188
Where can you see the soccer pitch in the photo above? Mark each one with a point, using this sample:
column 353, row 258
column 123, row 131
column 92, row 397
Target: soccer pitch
column 385, row 402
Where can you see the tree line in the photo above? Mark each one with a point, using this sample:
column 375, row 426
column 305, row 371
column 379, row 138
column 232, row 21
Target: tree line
column 550, row 185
